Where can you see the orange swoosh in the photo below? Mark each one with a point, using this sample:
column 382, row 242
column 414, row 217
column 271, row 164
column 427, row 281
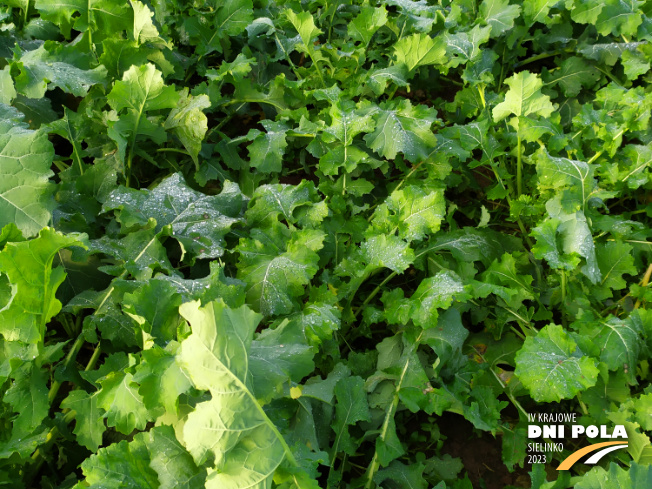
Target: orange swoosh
column 575, row 456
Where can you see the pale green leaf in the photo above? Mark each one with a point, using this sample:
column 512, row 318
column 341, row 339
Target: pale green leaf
column 188, row 121
column 420, row 50
column 231, row 427
column 366, row 23
column 523, row 98
column 28, row 265
column 499, row 14
column 25, row 192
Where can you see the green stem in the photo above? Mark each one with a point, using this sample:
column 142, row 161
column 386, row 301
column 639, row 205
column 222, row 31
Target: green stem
column 374, row 465
column 96, row 354
column 563, row 294
column 72, row 354
column 374, row 293
column 541, row 56
column 173, row 150
column 519, row 166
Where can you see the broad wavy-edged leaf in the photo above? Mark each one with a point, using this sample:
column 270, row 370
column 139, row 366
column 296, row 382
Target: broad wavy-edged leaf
column 434, row 293
column 420, row 50
column 124, row 406
column 25, row 192
column 119, row 466
column 28, row 265
column 637, row 171
column 363, row 27
column 231, row 428
column 267, row 149
column 198, row 221
column 50, row 66
column 277, row 265
column 552, row 367
column 563, row 173
column 464, row 47
column 620, row 17
column 28, row 396
column 574, row 74
column 617, row 342
column 208, row 31
column 419, row 213
column 141, row 90
column 499, row 14
column 89, row 418
column 7, row 91
column 350, row 408
column 387, row 251
column 100, row 16
column 154, row 459
column 401, row 127
column 537, row 10
column 188, row 121
column 161, row 379
column 523, row 98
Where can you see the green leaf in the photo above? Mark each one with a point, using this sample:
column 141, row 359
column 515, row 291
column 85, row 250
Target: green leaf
column 573, row 75
column 119, row 466
column 637, row 172
column 399, row 475
column 377, row 78
column 620, row 18
column 188, row 122
column 403, row 128
column 170, row 460
column 464, row 47
column 499, row 14
column 387, row 251
column 25, row 192
column 89, row 418
column 276, row 265
column 434, row 293
column 446, row 336
column 267, row 149
column 615, row 259
column 141, row 90
column 50, row 66
column 154, row 306
column 366, row 23
column 143, row 30
column 209, row 31
column 7, row 91
column 279, row 356
column 246, row 448
column 537, row 10
column 28, row 265
column 305, row 26
column 523, row 98
column 123, row 404
column 576, row 238
column 419, row 213
column 548, row 246
column 585, row 11
column 103, row 17
column 198, row 222
column 161, row 379
column 28, row 396
column 350, row 408
column 420, row 50
column 617, row 343
column 552, row 367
